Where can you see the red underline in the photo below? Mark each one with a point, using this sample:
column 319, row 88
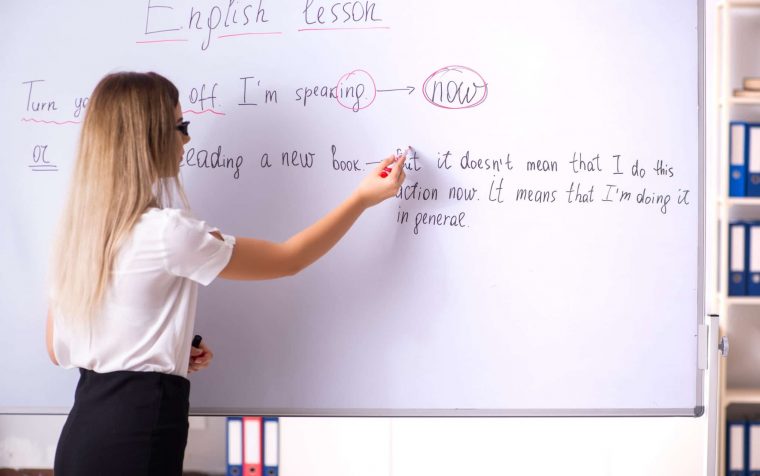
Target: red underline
column 159, row 41
column 255, row 33
column 24, row 119
column 347, row 28
column 204, row 111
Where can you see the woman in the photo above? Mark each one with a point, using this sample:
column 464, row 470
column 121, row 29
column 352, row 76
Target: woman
column 125, row 273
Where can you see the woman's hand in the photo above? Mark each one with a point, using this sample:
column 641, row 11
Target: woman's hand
column 375, row 188
column 200, row 357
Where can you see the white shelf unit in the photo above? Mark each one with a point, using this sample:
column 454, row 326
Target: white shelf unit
column 743, row 101
column 741, row 202
column 742, row 301
column 742, row 395
column 732, row 208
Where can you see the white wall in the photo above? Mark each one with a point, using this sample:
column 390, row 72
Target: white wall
column 487, row 446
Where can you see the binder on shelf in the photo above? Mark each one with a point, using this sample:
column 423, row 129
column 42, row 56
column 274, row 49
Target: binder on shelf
column 753, row 260
column 234, row 446
column 736, row 445
column 252, row 446
column 737, row 153
column 752, row 452
column 271, row 446
column 752, row 146
column 737, row 259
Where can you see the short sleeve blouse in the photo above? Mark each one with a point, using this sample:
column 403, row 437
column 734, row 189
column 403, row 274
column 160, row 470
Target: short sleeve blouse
column 148, row 315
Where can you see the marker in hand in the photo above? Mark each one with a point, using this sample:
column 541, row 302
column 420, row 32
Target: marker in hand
column 197, row 341
column 408, row 154
column 200, row 357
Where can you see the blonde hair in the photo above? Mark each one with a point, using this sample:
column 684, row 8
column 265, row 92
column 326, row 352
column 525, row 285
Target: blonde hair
column 127, row 162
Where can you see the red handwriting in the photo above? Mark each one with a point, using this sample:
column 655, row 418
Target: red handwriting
column 204, row 112
column 455, row 87
column 41, row 121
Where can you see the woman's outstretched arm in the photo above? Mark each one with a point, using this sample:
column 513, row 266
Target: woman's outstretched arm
column 259, row 259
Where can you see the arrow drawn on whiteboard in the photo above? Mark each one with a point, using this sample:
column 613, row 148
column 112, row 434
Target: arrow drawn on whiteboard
column 408, row 88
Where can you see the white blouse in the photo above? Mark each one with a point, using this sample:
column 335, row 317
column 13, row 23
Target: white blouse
column 148, row 314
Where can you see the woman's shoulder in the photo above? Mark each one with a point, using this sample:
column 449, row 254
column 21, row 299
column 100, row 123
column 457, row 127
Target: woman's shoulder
column 176, row 223
column 169, row 215
column 162, row 220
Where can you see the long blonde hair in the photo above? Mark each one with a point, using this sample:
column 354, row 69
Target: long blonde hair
column 127, row 162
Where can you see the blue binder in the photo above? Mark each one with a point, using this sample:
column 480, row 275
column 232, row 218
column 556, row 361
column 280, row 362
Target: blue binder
column 234, row 446
column 752, row 153
column 753, row 259
column 737, row 259
column 271, row 437
column 736, row 448
column 753, row 448
column 737, row 154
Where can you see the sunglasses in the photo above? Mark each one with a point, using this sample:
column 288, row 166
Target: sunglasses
column 182, row 127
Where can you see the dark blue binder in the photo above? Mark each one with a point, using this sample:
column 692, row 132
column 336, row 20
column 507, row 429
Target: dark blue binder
column 752, row 439
column 234, row 446
column 737, row 156
column 737, row 259
column 737, row 440
column 752, row 153
column 271, row 439
column 753, row 260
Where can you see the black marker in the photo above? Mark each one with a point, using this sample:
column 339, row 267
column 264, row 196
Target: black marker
column 197, row 341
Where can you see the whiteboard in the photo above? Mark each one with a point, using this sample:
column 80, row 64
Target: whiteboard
column 545, row 256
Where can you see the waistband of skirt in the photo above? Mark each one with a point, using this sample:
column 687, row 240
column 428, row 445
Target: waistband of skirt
column 134, row 374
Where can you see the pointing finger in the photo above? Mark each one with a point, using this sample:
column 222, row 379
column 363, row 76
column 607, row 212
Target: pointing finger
column 398, row 168
column 385, row 163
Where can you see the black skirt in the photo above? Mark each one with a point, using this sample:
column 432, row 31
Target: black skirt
column 125, row 423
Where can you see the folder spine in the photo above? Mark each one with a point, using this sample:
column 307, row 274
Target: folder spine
column 234, row 446
column 271, row 438
column 753, row 259
column 737, row 259
column 737, row 153
column 252, row 446
column 752, row 146
column 752, row 448
column 736, row 445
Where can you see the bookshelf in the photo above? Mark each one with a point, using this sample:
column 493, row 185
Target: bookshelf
column 738, row 30
column 741, row 396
